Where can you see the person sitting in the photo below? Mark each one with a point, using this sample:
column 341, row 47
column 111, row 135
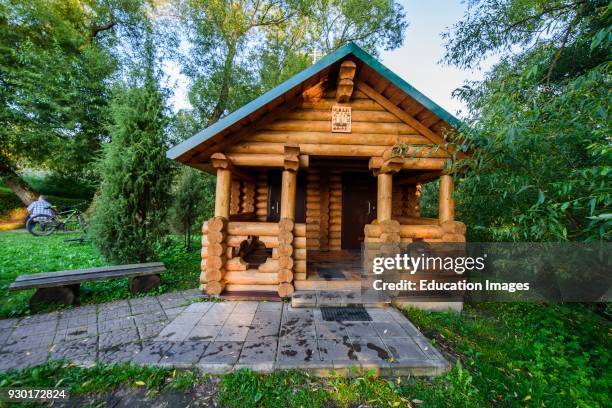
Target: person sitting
column 40, row 207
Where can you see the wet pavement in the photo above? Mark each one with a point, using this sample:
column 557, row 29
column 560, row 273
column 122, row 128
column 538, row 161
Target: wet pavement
column 176, row 330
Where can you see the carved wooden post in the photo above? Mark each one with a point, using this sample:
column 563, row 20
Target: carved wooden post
column 223, row 193
column 344, row 88
column 287, row 220
column 288, row 192
column 216, row 228
column 385, row 189
column 389, row 237
column 446, row 207
column 289, row 182
column 390, row 164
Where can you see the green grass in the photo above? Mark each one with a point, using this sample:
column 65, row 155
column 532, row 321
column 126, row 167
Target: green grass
column 518, row 354
column 101, row 379
column 22, row 253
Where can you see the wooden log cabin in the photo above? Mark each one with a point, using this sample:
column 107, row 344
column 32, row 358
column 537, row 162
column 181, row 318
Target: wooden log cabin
column 310, row 170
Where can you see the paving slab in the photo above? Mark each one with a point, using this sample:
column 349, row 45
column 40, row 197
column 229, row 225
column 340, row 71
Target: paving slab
column 81, row 351
column 372, row 350
column 204, row 333
column 330, row 330
column 183, row 354
column 174, row 311
column 119, row 354
column 337, row 350
column 152, row 352
column 23, row 359
column 198, row 308
column 390, row 330
column 358, row 330
column 259, row 356
column 404, row 349
column 177, row 330
column 263, row 325
column 270, row 307
column 221, row 352
column 116, row 337
column 149, row 330
column 293, row 352
column 121, row 323
column 8, row 323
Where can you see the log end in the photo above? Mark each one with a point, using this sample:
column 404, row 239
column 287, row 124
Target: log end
column 215, row 287
column 285, row 289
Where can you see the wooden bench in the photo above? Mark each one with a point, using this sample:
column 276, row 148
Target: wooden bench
column 63, row 286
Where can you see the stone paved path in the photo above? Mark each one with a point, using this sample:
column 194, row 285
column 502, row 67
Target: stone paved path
column 173, row 331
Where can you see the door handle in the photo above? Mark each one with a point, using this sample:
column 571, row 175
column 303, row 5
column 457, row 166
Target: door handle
column 369, row 207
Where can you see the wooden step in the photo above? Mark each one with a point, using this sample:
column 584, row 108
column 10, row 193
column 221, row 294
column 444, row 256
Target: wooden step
column 327, row 284
column 339, row 298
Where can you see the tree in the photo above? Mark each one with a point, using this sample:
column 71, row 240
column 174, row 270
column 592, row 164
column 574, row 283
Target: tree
column 134, row 193
column 192, row 201
column 240, row 49
column 193, row 191
column 58, row 60
column 539, row 122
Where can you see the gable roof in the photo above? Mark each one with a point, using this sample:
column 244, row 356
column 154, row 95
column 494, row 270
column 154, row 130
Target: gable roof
column 300, row 82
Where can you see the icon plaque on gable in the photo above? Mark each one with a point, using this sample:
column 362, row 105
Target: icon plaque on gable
column 341, row 119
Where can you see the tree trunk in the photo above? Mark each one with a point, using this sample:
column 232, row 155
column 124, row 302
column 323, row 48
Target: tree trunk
column 15, row 183
column 225, row 85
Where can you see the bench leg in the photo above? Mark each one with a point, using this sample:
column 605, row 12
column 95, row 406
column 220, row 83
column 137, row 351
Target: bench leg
column 75, row 289
column 141, row 284
column 63, row 295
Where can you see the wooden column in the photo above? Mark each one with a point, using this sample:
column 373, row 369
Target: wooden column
column 223, row 193
column 288, row 191
column 446, row 207
column 385, row 194
column 286, row 224
column 215, row 230
column 289, row 180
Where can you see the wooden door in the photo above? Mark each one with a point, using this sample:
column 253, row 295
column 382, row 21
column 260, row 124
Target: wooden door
column 274, row 194
column 358, row 207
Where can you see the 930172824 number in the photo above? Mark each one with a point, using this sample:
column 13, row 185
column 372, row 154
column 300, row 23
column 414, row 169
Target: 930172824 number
column 33, row 394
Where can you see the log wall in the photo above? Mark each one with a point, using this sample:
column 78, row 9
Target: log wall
column 313, row 210
column 220, row 265
column 374, row 130
column 335, row 210
column 406, row 201
column 261, row 196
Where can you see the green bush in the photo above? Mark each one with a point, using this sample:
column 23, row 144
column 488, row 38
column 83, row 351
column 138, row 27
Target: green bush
column 69, row 186
column 129, row 212
column 193, row 201
column 8, row 202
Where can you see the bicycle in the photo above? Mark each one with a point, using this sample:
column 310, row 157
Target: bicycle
column 65, row 218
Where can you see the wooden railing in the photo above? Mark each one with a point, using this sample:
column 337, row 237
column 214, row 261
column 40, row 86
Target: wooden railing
column 288, row 260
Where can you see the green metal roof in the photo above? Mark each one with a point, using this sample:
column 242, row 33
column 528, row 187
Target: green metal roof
column 330, row 59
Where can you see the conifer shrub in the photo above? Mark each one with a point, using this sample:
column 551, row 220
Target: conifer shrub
column 132, row 200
